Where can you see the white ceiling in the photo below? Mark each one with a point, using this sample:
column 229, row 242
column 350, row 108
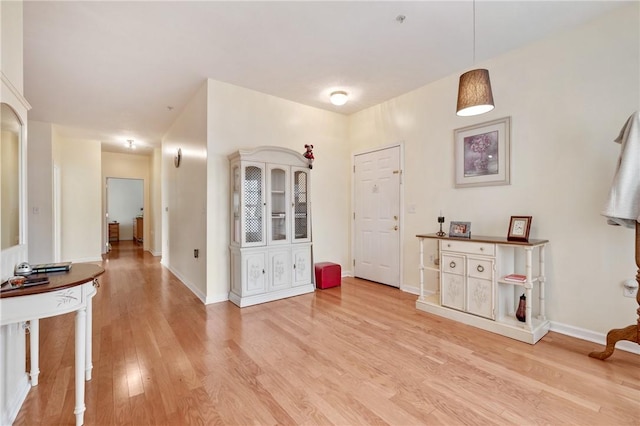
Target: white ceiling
column 111, row 70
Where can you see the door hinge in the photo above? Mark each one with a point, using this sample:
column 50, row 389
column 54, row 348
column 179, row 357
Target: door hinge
column 354, row 215
column 354, row 169
column 354, row 262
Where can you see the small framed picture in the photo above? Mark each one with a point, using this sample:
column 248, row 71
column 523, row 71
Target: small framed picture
column 460, row 229
column 519, row 228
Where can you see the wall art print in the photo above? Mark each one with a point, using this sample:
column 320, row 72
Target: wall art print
column 482, row 154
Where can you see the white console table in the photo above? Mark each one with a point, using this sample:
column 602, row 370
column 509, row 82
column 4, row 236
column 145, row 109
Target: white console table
column 472, row 286
column 66, row 292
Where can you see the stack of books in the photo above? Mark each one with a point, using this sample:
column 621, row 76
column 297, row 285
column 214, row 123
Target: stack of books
column 517, row 278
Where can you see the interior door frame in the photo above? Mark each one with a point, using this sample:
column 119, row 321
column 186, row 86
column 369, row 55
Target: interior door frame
column 400, row 208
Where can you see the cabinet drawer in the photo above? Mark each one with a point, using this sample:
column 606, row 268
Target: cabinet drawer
column 484, row 249
column 480, row 268
column 452, row 264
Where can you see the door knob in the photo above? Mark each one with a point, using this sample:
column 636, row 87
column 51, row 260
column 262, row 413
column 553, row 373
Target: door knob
column 395, row 228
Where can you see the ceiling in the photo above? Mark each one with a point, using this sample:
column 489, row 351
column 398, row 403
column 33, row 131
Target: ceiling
column 113, row 71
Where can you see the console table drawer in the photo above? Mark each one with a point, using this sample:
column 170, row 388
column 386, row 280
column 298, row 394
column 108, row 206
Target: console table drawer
column 484, row 249
column 43, row 305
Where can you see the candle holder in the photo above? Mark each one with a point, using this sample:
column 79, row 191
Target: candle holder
column 441, row 233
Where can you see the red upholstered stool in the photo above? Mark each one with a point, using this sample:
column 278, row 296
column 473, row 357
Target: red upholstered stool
column 327, row 275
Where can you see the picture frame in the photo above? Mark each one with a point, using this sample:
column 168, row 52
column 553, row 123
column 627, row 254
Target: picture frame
column 519, row 228
column 460, row 229
column 483, row 154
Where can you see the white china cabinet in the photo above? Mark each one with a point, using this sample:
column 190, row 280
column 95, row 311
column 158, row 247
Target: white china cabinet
column 270, row 225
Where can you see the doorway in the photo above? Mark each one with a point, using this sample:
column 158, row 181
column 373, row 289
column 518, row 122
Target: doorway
column 125, row 209
column 377, row 180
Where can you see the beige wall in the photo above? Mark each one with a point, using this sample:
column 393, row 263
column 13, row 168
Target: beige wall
column 184, row 196
column 40, row 188
column 11, row 43
column 81, row 198
column 155, row 210
column 568, row 97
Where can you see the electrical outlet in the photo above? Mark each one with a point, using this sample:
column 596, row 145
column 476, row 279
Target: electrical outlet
column 629, row 292
column 196, row 253
column 629, row 288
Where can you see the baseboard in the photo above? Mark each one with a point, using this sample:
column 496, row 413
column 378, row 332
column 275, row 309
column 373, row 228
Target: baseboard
column 411, row 290
column 155, row 253
column 592, row 336
column 195, row 290
column 217, row 298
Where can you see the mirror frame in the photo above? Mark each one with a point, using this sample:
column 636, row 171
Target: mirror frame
column 9, row 257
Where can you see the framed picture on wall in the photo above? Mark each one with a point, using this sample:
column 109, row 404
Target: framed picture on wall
column 482, row 154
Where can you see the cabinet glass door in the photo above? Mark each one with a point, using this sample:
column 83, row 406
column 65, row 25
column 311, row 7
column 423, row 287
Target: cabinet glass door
column 301, row 204
column 253, row 205
column 235, row 205
column 278, row 201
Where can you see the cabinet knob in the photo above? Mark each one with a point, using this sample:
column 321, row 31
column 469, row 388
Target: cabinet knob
column 480, row 268
column 481, row 248
column 448, row 245
column 452, row 264
column 263, row 271
column 395, row 228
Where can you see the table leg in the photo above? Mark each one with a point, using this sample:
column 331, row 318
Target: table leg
column 34, row 347
column 421, row 267
column 88, row 341
column 81, row 337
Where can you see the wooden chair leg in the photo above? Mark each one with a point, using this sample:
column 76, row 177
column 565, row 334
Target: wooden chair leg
column 632, row 332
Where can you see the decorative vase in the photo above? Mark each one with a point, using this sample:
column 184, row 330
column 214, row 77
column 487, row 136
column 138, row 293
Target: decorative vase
column 521, row 312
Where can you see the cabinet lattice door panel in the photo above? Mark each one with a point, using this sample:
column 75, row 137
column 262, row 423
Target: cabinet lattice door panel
column 270, row 225
column 253, row 204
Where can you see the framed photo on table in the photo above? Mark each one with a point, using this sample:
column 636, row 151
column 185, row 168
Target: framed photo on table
column 460, row 229
column 482, row 154
column 519, row 228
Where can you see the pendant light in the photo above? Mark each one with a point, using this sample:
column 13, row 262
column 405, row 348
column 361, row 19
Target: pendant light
column 474, row 89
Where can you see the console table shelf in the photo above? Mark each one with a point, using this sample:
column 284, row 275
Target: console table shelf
column 472, row 289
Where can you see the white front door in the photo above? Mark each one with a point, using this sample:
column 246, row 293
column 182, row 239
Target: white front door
column 377, row 216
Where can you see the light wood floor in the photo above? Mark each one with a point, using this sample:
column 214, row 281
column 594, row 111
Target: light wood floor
column 353, row 355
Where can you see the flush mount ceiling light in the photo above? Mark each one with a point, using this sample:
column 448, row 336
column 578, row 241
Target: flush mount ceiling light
column 339, row 97
column 130, row 144
column 474, row 89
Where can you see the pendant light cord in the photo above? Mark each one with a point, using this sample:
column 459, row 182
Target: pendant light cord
column 474, row 32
